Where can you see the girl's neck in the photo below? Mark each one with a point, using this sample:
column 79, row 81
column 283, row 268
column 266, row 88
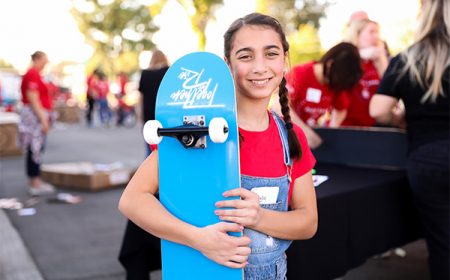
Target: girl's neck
column 318, row 72
column 251, row 115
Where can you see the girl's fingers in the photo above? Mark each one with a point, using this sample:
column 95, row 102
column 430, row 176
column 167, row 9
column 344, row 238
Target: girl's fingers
column 230, row 212
column 229, row 227
column 235, row 265
column 242, row 192
column 239, row 259
column 235, row 203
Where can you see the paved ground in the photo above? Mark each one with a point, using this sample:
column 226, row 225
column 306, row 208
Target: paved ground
column 62, row 242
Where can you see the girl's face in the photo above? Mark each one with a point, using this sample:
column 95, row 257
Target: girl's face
column 369, row 36
column 257, row 61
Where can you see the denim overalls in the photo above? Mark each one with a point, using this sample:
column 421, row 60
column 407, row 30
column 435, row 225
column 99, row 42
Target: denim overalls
column 268, row 259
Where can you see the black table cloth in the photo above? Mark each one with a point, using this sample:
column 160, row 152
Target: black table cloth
column 362, row 212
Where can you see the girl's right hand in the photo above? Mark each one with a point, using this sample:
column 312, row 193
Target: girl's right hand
column 215, row 243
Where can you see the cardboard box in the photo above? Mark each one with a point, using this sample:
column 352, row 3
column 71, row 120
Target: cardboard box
column 9, row 135
column 68, row 114
column 85, row 175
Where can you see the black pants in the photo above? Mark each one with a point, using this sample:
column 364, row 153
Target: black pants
column 428, row 174
column 136, row 253
column 33, row 168
column 90, row 109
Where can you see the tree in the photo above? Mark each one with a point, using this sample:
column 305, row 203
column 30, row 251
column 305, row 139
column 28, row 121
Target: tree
column 117, row 29
column 294, row 13
column 301, row 21
column 5, row 64
column 200, row 12
column 304, row 45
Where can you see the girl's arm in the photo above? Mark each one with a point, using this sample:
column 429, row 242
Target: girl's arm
column 384, row 110
column 298, row 223
column 337, row 117
column 139, row 204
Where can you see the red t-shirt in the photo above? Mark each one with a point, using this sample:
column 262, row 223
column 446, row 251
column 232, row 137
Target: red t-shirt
column 90, row 84
column 360, row 95
column 32, row 81
column 309, row 98
column 102, row 88
column 262, row 155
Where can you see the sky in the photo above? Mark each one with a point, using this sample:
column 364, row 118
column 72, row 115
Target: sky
column 29, row 25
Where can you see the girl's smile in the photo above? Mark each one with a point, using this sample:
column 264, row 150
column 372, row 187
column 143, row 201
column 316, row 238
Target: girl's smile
column 257, row 62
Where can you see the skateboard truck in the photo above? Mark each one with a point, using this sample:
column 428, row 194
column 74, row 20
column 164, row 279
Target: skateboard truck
column 192, row 134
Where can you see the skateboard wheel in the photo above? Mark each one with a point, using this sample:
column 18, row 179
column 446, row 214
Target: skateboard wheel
column 150, row 132
column 218, row 130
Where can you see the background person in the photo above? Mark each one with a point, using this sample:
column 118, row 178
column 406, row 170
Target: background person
column 420, row 76
column 149, row 83
column 137, row 246
column 102, row 89
column 91, row 95
column 35, row 122
column 319, row 87
column 364, row 33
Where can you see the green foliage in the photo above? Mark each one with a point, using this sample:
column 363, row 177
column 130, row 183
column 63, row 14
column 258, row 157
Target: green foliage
column 202, row 13
column 300, row 20
column 294, row 13
column 116, row 29
column 5, row 65
column 304, row 45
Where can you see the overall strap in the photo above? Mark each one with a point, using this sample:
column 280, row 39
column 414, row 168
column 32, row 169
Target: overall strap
column 284, row 139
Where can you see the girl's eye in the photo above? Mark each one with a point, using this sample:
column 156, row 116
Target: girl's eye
column 244, row 57
column 272, row 54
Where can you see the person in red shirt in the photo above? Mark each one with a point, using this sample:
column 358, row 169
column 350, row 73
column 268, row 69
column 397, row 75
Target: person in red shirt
column 102, row 89
column 122, row 81
column 364, row 33
column 35, row 121
column 91, row 94
column 273, row 152
column 319, row 88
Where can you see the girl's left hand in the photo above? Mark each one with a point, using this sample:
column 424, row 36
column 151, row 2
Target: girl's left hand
column 246, row 212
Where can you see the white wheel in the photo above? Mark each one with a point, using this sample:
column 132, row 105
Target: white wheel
column 150, row 132
column 218, row 130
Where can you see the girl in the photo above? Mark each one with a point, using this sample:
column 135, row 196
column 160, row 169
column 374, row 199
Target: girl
column 319, row 87
column 273, row 152
column 420, row 76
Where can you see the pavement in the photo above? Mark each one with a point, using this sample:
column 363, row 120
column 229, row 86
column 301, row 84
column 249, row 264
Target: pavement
column 82, row 241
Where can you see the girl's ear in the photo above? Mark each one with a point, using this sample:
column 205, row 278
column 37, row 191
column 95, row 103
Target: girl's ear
column 226, row 60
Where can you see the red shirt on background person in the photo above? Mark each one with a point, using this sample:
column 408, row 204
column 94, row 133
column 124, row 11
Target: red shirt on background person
column 319, row 87
column 365, row 34
column 102, row 88
column 360, row 95
column 309, row 98
column 32, row 81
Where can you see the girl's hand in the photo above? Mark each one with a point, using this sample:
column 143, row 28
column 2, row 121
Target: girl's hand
column 246, row 212
column 217, row 245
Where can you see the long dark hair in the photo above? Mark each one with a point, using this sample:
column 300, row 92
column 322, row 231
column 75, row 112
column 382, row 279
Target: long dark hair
column 342, row 66
column 295, row 150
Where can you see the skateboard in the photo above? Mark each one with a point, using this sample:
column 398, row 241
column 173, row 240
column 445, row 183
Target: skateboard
column 198, row 155
column 374, row 147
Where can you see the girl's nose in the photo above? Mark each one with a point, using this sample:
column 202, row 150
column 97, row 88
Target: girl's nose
column 259, row 66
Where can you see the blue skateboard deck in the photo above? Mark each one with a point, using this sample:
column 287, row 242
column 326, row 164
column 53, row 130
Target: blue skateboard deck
column 193, row 173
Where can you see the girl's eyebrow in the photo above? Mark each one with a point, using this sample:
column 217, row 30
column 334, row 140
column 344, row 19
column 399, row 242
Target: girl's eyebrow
column 247, row 49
